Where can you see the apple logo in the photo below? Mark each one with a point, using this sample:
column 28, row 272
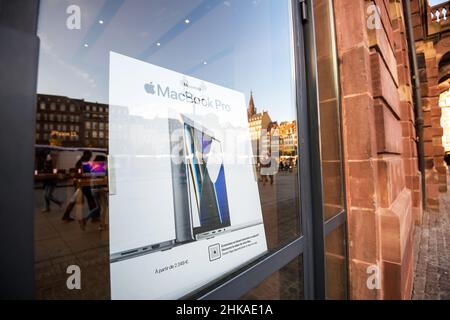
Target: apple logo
column 149, row 88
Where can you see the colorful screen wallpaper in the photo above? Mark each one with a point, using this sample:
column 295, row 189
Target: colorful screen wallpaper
column 94, row 168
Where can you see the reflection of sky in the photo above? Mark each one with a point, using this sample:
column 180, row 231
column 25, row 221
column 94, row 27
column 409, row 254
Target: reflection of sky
column 435, row 2
column 240, row 44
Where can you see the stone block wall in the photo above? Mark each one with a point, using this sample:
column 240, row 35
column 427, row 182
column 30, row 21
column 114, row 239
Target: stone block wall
column 383, row 189
column 430, row 49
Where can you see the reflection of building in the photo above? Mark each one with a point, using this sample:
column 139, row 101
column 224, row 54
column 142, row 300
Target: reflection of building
column 71, row 122
column 132, row 134
column 261, row 125
column 257, row 123
column 444, row 103
column 287, row 131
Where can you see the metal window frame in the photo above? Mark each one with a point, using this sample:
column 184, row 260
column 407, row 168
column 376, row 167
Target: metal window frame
column 344, row 213
column 19, row 62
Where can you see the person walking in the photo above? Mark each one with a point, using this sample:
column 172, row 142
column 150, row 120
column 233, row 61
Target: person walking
column 94, row 210
column 99, row 197
column 49, row 184
column 267, row 170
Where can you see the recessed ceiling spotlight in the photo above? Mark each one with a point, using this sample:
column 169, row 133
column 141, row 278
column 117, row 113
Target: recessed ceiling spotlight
column 187, row 21
column 158, row 44
column 86, row 45
column 100, row 21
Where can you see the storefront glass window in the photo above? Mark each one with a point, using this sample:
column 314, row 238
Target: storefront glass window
column 242, row 47
column 285, row 284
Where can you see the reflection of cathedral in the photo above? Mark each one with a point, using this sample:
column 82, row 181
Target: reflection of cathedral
column 258, row 123
column 261, row 126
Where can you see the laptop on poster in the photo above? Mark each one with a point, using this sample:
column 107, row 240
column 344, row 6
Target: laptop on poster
column 206, row 183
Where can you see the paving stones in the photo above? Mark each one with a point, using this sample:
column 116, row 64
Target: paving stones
column 432, row 264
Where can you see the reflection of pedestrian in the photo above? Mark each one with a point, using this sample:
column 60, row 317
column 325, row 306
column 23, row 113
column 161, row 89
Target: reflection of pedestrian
column 94, row 210
column 266, row 170
column 289, row 165
column 49, row 184
column 266, row 178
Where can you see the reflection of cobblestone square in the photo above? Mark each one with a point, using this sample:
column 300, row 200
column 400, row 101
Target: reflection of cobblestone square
column 59, row 245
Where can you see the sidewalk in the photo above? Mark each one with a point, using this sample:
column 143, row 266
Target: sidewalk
column 431, row 278
column 59, row 245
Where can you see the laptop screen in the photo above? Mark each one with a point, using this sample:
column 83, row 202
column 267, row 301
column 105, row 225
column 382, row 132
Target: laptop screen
column 94, row 169
column 206, row 181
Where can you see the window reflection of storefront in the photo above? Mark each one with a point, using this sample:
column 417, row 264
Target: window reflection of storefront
column 250, row 50
column 261, row 127
column 71, row 211
column 67, row 122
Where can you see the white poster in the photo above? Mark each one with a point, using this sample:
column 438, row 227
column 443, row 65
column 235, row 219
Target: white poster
column 184, row 204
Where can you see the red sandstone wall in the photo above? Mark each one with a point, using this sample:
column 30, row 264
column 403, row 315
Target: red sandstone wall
column 430, row 49
column 381, row 164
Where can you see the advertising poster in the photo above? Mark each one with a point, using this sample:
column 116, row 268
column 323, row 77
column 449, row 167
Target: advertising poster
column 184, row 204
